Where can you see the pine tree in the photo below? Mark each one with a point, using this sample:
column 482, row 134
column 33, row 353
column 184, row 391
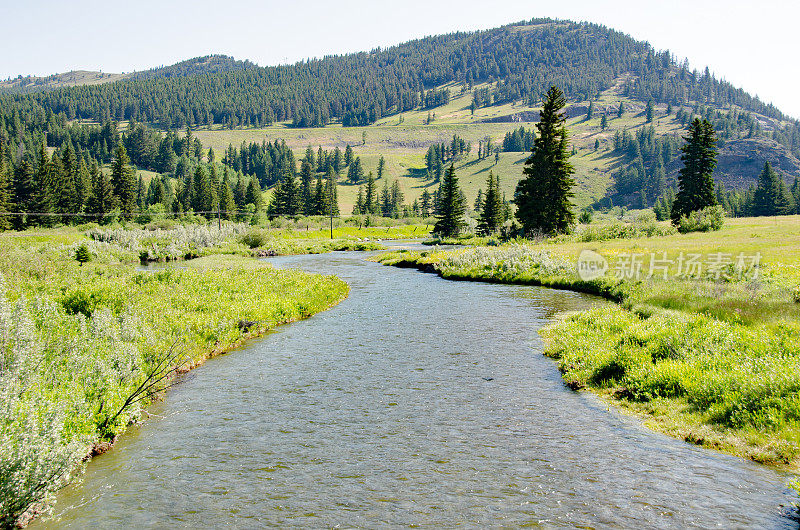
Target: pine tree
column 371, row 195
column 425, row 203
column 492, row 213
column 24, row 188
column 101, row 200
column 604, row 122
column 696, row 180
column 771, row 197
column 331, row 195
column 620, row 110
column 451, row 208
column 43, row 194
column 306, row 178
column 381, row 166
column 123, row 179
column 355, row 172
column 648, row 112
column 590, row 111
column 386, row 200
column 319, row 196
column 227, row 204
column 543, row 195
column 5, row 194
column 348, row 155
column 478, row 206
column 253, row 194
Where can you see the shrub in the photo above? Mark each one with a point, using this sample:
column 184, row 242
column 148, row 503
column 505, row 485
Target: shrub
column 586, row 216
column 705, row 220
column 254, row 239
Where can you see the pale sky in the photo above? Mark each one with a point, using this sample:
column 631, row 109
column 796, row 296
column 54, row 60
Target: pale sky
column 752, row 44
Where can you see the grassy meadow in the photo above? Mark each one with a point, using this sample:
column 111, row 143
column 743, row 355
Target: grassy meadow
column 403, row 144
column 711, row 356
column 84, row 347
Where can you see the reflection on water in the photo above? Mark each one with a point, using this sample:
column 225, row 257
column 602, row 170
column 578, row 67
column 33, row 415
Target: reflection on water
column 417, row 401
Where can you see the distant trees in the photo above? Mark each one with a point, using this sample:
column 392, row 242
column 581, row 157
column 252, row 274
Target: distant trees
column 451, row 207
column 543, row 195
column 695, row 179
column 519, row 140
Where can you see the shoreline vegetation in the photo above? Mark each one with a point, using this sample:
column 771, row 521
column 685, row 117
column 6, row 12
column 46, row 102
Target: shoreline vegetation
column 713, row 360
column 86, row 344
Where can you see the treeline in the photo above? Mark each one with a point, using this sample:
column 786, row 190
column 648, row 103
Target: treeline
column 520, row 61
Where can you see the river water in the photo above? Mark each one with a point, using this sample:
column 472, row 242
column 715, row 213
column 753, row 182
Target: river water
column 416, row 401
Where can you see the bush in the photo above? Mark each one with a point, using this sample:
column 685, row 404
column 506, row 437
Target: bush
column 254, row 239
column 705, row 220
column 586, row 216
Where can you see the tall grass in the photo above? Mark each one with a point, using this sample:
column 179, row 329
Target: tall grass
column 77, row 341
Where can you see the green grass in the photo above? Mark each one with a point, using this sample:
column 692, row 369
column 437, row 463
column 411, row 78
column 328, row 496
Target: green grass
column 714, row 362
column 76, row 341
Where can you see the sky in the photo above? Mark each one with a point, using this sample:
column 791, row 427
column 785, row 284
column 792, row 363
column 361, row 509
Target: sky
column 751, row 44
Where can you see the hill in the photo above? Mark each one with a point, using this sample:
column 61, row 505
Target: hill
column 478, row 85
column 209, row 64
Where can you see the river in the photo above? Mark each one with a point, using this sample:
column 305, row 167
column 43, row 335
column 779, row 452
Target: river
column 416, row 401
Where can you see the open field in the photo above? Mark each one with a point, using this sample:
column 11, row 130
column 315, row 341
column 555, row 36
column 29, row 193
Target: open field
column 710, row 355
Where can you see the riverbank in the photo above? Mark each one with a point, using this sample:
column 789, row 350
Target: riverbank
column 712, row 358
column 85, row 347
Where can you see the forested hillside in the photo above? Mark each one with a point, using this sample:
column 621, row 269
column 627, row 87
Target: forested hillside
column 521, row 60
column 628, row 106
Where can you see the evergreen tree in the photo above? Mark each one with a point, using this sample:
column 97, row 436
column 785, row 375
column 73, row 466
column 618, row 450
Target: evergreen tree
column 386, row 200
column 5, row 194
column 771, row 197
column 381, row 166
column 319, row 196
column 253, row 194
column 426, row 203
column 306, row 179
column 348, row 155
column 227, row 204
column 590, row 111
column 696, row 180
column 123, row 179
column 492, row 213
column 101, row 200
column 478, row 206
column 397, row 199
column 604, row 122
column 648, row 111
column 543, row 195
column 331, row 196
column 24, row 188
column 620, row 110
column 355, row 172
column 371, row 195
column 358, row 207
column 43, row 194
column 451, row 208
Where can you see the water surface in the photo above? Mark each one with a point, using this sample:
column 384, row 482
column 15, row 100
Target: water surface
column 416, row 401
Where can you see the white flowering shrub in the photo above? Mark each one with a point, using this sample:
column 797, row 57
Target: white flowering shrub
column 506, row 260
column 176, row 243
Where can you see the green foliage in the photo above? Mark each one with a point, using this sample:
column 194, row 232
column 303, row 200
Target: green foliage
column 451, row 207
column 82, row 254
column 543, row 195
column 706, row 220
column 696, row 181
column 586, row 216
column 492, row 207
